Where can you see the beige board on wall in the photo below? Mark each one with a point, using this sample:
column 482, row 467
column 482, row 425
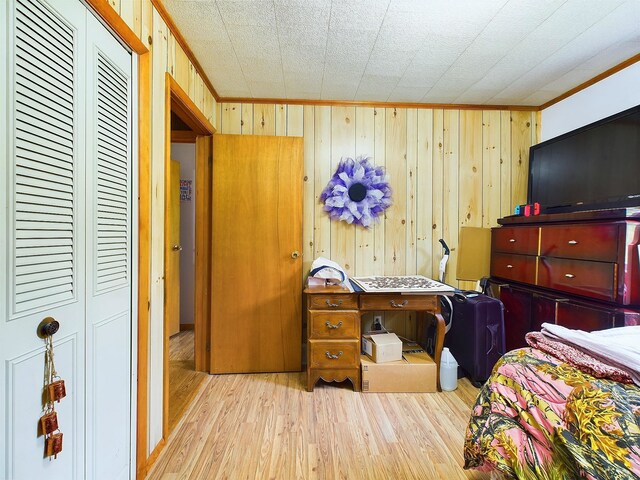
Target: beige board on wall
column 474, row 253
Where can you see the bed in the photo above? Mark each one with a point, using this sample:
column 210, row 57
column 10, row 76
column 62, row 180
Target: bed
column 544, row 417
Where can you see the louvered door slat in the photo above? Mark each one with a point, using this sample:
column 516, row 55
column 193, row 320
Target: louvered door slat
column 112, row 75
column 47, row 266
column 52, row 258
column 44, row 164
column 53, row 26
column 44, row 187
column 31, row 70
column 50, row 104
column 112, row 177
column 116, row 114
column 30, row 139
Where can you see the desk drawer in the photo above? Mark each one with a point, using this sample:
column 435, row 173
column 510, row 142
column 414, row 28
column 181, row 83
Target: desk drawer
column 582, row 277
column 522, row 240
column 586, row 242
column 333, row 302
column 394, row 301
column 519, row 268
column 337, row 325
column 334, row 354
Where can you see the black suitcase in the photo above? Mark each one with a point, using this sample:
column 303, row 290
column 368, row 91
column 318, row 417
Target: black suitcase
column 476, row 336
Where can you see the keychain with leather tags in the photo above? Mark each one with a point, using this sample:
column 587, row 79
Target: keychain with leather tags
column 54, row 390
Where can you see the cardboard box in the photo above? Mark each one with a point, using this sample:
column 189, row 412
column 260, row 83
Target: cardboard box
column 382, row 347
column 415, row 373
column 474, row 253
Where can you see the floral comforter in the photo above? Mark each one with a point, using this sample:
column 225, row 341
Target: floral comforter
column 537, row 417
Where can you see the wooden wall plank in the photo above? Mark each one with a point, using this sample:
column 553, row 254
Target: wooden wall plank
column 281, row 120
column 411, row 178
column 171, row 55
column 246, row 121
column 437, row 188
column 343, row 146
column 365, row 147
column 379, row 159
column 308, row 192
column 182, row 68
column 505, row 163
column 424, row 198
column 396, row 165
column 157, row 430
column 231, row 118
column 470, row 169
column 521, row 135
column 396, row 219
column 264, row 119
column 321, row 174
column 295, row 120
column 490, row 168
column 127, row 13
column 451, row 224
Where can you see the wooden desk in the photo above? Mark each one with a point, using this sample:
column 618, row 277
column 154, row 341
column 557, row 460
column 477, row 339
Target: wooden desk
column 333, row 329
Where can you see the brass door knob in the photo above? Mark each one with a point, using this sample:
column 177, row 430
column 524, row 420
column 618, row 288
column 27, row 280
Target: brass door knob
column 177, row 248
column 295, row 254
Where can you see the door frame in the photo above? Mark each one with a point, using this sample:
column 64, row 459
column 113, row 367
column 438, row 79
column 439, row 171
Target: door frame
column 179, row 102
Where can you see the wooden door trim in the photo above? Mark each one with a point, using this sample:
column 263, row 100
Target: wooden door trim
column 177, row 100
column 144, row 259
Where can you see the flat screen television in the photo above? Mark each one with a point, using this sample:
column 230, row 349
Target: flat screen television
column 591, row 168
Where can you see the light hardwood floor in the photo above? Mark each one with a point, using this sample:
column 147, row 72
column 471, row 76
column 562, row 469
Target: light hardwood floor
column 184, row 381
column 267, row 426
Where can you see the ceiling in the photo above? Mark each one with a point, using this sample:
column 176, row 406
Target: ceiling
column 494, row 52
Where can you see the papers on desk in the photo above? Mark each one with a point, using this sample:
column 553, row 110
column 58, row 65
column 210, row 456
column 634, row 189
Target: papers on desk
column 401, row 284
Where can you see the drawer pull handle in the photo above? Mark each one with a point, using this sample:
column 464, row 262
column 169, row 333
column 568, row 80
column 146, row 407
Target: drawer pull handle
column 333, row 305
column 572, row 242
column 512, row 240
column 331, row 356
column 329, row 325
column 569, row 275
column 509, row 266
column 398, row 305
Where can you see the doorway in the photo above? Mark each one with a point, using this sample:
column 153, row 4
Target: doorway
column 187, row 250
column 184, row 379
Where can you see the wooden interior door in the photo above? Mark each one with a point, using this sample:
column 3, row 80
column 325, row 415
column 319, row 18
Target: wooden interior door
column 256, row 264
column 173, row 249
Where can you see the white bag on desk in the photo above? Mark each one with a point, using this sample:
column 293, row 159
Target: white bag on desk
column 324, row 268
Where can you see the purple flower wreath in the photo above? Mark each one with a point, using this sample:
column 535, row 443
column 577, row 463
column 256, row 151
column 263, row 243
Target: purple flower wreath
column 357, row 193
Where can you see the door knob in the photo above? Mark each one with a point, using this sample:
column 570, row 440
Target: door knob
column 295, row 254
column 177, row 248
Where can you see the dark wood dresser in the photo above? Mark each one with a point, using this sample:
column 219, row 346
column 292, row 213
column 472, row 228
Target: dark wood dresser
column 580, row 270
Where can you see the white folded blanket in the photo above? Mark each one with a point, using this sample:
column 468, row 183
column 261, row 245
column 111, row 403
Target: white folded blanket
column 616, row 346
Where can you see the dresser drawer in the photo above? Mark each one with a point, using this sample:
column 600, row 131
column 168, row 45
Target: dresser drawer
column 522, row 240
column 334, row 354
column 587, row 242
column 396, row 301
column 333, row 302
column 519, row 268
column 581, row 277
column 341, row 325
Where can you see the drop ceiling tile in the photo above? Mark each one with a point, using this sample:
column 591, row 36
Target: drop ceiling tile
column 304, row 83
column 358, row 14
column 295, row 36
column 266, row 89
column 407, row 94
column 338, row 92
column 303, row 15
column 259, row 13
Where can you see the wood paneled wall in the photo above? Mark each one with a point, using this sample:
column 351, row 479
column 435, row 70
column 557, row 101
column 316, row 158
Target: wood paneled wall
column 448, row 168
column 142, row 18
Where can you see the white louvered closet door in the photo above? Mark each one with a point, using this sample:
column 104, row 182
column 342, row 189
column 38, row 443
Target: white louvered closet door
column 108, row 227
column 57, row 244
